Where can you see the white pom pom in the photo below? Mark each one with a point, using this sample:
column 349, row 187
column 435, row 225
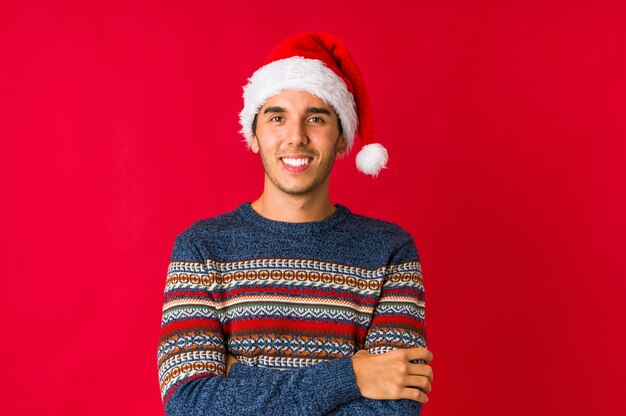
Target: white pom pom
column 371, row 159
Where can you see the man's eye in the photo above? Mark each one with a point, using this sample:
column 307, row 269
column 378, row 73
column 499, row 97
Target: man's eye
column 276, row 118
column 316, row 119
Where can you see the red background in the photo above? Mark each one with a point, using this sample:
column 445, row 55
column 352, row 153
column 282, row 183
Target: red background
column 505, row 127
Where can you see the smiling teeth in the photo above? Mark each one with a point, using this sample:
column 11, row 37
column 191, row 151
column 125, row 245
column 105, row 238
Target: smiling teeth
column 295, row 162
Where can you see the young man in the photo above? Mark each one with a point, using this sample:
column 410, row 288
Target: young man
column 291, row 305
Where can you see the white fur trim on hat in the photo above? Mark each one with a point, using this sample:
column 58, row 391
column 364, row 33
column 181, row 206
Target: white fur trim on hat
column 372, row 158
column 300, row 74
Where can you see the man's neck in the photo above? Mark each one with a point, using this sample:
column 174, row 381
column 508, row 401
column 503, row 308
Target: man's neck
column 290, row 208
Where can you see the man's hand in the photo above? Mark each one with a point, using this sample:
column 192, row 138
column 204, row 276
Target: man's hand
column 230, row 360
column 391, row 376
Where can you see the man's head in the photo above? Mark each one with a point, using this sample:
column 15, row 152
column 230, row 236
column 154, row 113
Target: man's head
column 320, row 65
column 298, row 138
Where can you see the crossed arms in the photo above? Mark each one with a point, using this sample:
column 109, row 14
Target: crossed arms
column 192, row 357
column 390, row 376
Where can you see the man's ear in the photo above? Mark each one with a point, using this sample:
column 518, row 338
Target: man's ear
column 255, row 144
column 342, row 146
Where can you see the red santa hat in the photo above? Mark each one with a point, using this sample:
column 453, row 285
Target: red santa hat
column 320, row 64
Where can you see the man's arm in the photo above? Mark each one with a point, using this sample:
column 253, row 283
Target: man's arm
column 191, row 358
column 398, row 322
column 388, row 397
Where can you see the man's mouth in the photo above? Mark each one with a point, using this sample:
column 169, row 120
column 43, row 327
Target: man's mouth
column 296, row 164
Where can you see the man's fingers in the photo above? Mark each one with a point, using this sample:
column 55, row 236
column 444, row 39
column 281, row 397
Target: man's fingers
column 421, row 370
column 419, row 353
column 417, row 381
column 414, row 394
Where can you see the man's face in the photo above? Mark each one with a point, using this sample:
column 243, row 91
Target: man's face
column 297, row 135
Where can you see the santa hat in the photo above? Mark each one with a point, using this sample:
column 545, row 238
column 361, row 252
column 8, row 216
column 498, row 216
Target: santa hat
column 320, row 64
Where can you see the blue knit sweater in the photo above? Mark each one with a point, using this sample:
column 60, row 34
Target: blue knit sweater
column 292, row 302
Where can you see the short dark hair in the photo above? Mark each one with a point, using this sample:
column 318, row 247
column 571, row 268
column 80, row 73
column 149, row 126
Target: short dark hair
column 254, row 125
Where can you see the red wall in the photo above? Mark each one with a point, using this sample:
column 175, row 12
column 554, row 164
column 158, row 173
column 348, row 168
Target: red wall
column 505, row 126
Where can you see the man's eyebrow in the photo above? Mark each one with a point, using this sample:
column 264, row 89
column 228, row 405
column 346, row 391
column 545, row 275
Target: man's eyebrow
column 274, row 110
column 317, row 110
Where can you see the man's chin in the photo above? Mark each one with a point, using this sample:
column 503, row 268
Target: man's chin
column 297, row 191
column 297, row 188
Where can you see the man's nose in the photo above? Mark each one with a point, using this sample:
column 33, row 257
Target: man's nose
column 297, row 133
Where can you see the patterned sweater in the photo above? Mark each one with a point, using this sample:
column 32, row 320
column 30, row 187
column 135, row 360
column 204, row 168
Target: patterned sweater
column 292, row 302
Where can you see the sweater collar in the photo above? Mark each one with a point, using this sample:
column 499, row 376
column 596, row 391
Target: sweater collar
column 248, row 213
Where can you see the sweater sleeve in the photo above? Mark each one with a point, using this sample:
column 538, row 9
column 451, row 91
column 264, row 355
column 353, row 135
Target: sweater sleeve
column 398, row 322
column 192, row 351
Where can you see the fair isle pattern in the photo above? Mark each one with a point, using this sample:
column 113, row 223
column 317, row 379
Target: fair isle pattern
column 283, row 313
column 284, row 296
